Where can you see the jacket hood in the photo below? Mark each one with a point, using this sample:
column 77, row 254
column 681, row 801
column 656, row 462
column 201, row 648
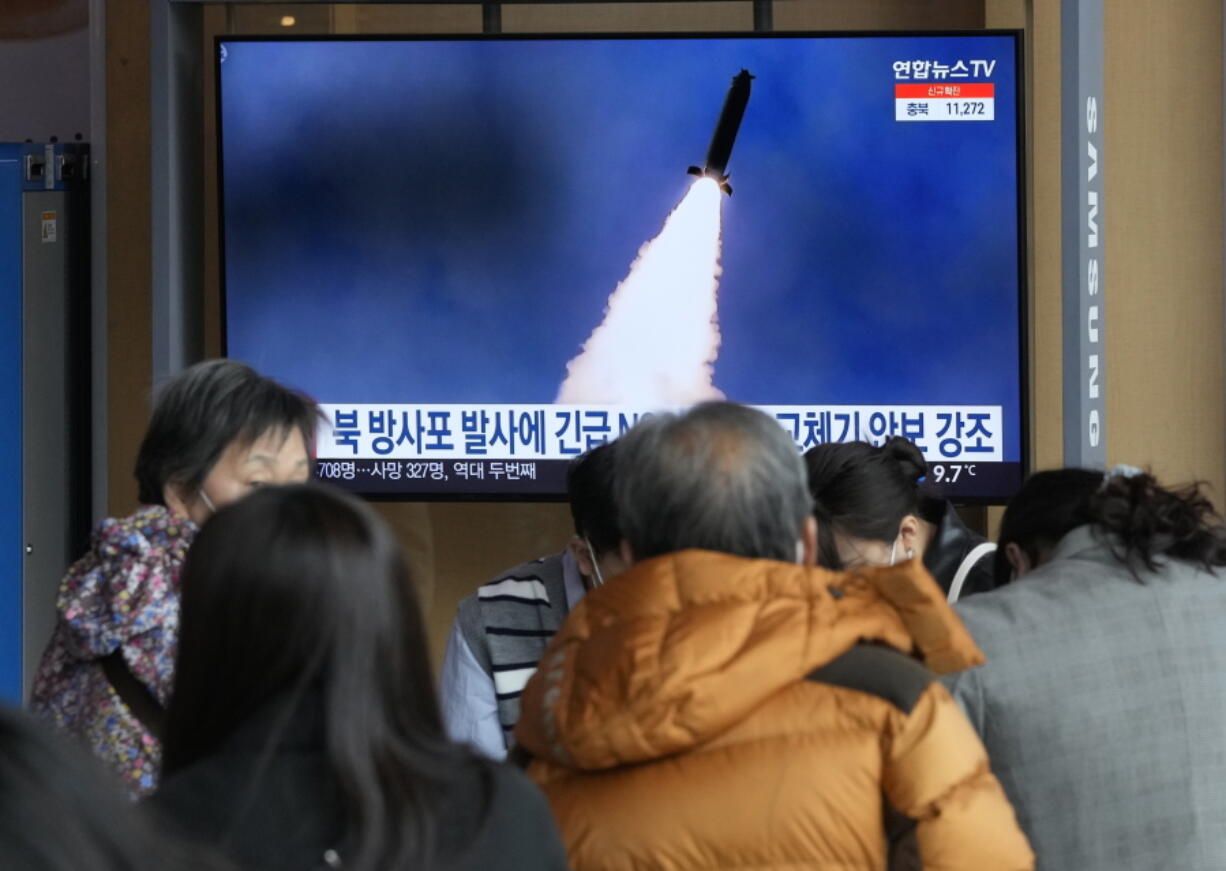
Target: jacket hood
column 686, row 645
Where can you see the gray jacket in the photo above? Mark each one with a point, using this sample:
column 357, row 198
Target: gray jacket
column 1103, row 708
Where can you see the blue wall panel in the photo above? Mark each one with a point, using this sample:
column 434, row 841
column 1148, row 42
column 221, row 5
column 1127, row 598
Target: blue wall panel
column 11, row 171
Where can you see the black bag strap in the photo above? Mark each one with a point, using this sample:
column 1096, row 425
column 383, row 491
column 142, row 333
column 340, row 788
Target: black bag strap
column 139, row 700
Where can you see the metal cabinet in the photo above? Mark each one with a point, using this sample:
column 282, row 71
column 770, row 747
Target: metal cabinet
column 44, row 399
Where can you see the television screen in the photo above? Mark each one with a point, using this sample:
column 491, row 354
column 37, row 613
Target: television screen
column 484, row 256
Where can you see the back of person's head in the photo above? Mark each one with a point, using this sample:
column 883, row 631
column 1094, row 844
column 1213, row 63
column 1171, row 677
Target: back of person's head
column 720, row 477
column 202, row 411
column 589, row 488
column 59, row 812
column 863, row 491
column 303, row 590
column 1143, row 520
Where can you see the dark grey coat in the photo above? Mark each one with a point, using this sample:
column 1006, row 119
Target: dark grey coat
column 1103, row 709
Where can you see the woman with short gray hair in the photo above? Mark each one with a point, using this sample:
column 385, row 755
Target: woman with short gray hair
column 218, row 431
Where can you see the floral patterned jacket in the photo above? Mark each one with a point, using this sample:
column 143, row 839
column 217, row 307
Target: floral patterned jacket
column 122, row 595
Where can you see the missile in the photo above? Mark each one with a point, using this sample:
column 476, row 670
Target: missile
column 725, row 132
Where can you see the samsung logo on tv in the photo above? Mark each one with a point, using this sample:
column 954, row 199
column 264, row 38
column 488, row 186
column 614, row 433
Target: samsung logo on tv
column 1093, row 334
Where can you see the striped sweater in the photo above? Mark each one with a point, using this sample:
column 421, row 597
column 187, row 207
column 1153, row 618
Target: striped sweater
column 507, row 624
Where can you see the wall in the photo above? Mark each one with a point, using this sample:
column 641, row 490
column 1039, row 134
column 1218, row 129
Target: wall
column 1163, row 238
column 1043, row 180
column 44, row 65
column 129, row 313
column 1162, row 233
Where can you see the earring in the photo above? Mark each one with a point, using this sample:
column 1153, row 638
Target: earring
column 910, row 553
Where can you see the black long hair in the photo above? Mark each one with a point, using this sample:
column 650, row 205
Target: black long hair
column 865, row 490
column 60, row 812
column 589, row 488
column 301, row 589
column 1144, row 520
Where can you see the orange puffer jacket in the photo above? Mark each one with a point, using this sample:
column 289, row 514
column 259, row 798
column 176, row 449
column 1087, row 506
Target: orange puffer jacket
column 704, row 711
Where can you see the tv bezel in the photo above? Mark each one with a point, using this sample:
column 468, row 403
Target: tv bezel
column 1023, row 295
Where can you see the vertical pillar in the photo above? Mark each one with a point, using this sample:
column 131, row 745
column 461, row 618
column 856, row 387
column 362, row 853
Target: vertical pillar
column 491, row 18
column 763, row 16
column 1081, row 206
column 176, row 70
column 98, row 262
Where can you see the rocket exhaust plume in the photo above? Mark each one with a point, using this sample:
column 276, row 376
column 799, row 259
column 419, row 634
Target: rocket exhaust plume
column 659, row 339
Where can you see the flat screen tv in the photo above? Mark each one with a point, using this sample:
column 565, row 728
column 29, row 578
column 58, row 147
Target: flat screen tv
column 483, row 256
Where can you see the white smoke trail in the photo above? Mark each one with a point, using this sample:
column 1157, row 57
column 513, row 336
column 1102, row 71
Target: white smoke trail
column 657, row 344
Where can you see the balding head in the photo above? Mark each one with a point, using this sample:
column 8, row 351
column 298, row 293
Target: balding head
column 720, row 477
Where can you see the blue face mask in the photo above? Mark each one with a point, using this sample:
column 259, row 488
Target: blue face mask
column 597, row 578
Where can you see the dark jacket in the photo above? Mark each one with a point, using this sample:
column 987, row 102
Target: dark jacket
column 950, row 546
column 286, row 814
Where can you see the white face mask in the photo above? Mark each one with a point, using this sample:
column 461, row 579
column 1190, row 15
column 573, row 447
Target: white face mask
column 204, row 497
column 597, row 578
column 894, row 549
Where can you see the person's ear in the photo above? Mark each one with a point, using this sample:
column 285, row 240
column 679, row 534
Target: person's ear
column 808, row 542
column 626, row 552
column 172, row 496
column 1018, row 559
column 582, row 554
column 909, row 535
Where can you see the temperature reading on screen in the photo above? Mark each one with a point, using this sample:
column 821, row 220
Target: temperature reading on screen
column 949, row 473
